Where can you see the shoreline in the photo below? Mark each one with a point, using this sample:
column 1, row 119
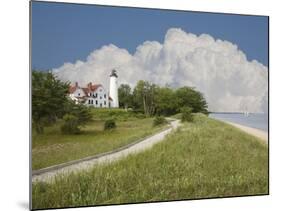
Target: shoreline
column 250, row 130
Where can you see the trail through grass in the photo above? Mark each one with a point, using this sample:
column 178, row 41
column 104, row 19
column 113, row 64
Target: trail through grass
column 53, row 147
column 206, row 158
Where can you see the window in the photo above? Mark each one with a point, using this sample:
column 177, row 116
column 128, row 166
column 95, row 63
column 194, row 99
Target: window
column 96, row 102
column 101, row 105
column 89, row 102
column 104, row 102
column 92, row 102
column 100, row 97
column 78, row 94
column 104, row 95
column 100, row 90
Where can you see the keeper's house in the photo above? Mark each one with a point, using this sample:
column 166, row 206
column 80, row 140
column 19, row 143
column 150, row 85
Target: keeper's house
column 95, row 94
column 92, row 95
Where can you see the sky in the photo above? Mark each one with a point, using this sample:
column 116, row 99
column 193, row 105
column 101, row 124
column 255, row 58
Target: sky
column 67, row 32
column 223, row 56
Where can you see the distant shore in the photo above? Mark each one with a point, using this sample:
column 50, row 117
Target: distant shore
column 253, row 131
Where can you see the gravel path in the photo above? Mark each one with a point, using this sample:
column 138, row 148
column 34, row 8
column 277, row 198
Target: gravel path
column 85, row 165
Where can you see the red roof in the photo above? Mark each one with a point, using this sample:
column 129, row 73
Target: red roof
column 94, row 87
column 72, row 89
column 90, row 88
column 86, row 90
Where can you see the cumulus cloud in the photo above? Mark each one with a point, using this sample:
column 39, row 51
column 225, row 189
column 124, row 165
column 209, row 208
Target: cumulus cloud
column 216, row 68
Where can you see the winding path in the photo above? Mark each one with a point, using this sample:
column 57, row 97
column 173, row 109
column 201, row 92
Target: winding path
column 49, row 174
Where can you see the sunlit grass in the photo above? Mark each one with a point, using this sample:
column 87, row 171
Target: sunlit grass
column 206, row 158
column 53, row 147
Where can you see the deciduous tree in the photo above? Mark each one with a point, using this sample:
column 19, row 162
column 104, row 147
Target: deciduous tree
column 125, row 96
column 49, row 97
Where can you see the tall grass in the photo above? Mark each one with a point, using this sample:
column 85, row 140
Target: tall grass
column 53, row 147
column 206, row 158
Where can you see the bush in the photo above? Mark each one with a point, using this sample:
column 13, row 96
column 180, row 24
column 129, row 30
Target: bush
column 81, row 112
column 140, row 116
column 77, row 116
column 187, row 115
column 70, row 125
column 109, row 124
column 159, row 120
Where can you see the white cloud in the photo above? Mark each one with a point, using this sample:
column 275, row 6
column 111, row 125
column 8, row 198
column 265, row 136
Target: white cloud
column 216, row 68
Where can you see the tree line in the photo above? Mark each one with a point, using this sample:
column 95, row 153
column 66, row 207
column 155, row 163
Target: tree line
column 152, row 99
column 51, row 102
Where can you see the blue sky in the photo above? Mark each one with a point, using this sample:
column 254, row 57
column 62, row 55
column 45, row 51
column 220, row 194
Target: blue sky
column 68, row 32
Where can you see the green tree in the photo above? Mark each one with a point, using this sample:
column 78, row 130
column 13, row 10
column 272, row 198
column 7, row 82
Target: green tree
column 125, row 96
column 70, row 125
column 77, row 115
column 82, row 112
column 186, row 114
column 187, row 96
column 165, row 101
column 49, row 97
column 144, row 97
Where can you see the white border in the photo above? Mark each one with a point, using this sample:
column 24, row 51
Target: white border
column 14, row 78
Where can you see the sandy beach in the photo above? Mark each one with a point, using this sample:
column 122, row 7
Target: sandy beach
column 253, row 131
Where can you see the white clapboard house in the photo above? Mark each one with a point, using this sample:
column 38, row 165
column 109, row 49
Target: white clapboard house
column 95, row 94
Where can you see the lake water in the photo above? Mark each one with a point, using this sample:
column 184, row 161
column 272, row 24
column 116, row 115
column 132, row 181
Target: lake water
column 259, row 121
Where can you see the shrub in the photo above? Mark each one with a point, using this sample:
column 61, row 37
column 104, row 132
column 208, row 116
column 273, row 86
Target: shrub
column 109, row 124
column 81, row 112
column 159, row 120
column 140, row 116
column 70, row 125
column 187, row 115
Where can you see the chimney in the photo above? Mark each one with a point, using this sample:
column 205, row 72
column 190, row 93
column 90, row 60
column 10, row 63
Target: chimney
column 90, row 85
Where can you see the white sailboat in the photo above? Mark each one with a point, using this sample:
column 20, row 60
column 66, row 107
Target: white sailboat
column 246, row 113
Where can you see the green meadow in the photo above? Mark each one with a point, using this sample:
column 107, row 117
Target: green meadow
column 203, row 159
column 52, row 147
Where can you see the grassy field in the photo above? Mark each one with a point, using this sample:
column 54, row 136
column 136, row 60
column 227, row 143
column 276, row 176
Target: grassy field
column 206, row 158
column 53, row 147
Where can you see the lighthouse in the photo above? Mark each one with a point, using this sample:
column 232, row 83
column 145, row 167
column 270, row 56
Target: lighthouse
column 113, row 89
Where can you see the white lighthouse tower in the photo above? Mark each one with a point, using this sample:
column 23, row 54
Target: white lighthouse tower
column 113, row 89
